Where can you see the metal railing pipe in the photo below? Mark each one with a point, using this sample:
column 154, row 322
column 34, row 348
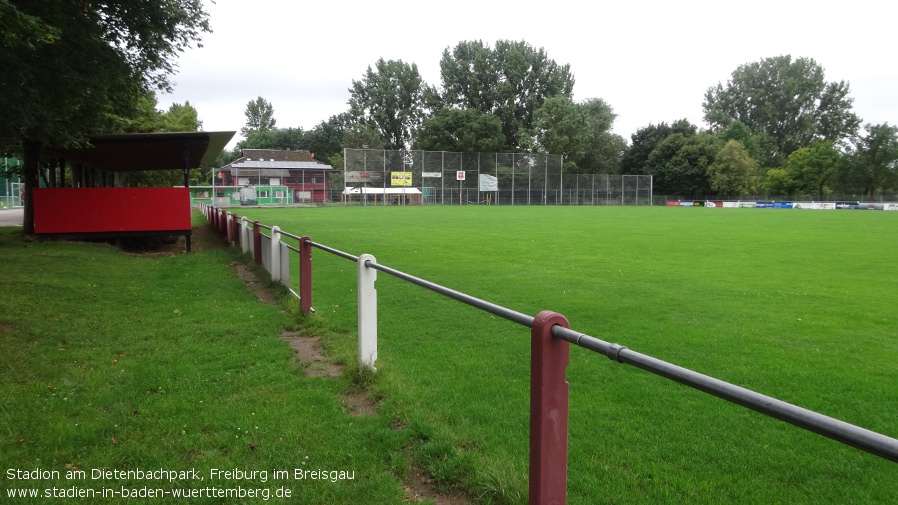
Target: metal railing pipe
column 331, row 250
column 492, row 308
column 846, row 433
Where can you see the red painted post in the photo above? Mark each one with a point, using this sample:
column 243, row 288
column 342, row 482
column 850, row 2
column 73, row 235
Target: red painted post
column 549, row 358
column 226, row 226
column 222, row 219
column 305, row 275
column 257, row 243
column 235, row 229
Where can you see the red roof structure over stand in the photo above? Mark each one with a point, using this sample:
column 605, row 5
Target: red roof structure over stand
column 113, row 212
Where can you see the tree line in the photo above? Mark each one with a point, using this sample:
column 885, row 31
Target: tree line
column 777, row 127
column 508, row 98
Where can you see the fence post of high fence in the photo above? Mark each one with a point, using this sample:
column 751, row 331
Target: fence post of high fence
column 367, row 313
column 244, row 234
column 276, row 253
column 549, row 358
column 257, row 242
column 305, row 275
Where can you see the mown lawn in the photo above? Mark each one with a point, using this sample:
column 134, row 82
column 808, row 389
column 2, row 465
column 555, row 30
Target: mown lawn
column 799, row 305
column 116, row 362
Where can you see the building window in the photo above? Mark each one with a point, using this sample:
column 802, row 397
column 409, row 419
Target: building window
column 262, row 194
column 280, row 194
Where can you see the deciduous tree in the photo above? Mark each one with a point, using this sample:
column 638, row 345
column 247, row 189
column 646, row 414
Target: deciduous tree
column 460, row 130
column 390, row 97
column 814, row 167
column 785, row 103
column 510, row 81
column 679, row 164
column 873, row 164
column 604, row 148
column 646, row 139
column 779, row 182
column 275, row 138
column 733, row 171
column 559, row 127
column 181, row 118
column 259, row 116
column 325, row 140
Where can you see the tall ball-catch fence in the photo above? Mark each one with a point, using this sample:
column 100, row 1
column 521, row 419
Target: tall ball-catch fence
column 376, row 176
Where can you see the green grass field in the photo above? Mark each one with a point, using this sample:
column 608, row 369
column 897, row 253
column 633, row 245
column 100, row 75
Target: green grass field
column 118, row 361
column 799, row 305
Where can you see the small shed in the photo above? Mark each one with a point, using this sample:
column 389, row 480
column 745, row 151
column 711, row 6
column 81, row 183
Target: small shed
column 386, row 196
column 116, row 212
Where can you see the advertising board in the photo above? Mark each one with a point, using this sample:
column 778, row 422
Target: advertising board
column 369, row 177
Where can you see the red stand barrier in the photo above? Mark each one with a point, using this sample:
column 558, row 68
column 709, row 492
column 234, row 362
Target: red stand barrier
column 305, row 275
column 549, row 358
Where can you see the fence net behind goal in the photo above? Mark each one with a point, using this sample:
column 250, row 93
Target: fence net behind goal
column 450, row 178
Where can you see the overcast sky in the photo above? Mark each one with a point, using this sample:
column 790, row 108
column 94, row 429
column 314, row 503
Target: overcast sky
column 651, row 61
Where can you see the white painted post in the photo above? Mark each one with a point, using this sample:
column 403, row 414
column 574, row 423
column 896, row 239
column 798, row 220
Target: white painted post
column 244, row 234
column 367, row 313
column 276, row 253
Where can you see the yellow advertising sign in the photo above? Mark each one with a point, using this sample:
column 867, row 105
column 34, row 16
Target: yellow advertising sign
column 400, row 179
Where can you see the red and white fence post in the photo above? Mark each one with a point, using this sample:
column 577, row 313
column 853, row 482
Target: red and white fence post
column 549, row 358
column 257, row 242
column 235, row 229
